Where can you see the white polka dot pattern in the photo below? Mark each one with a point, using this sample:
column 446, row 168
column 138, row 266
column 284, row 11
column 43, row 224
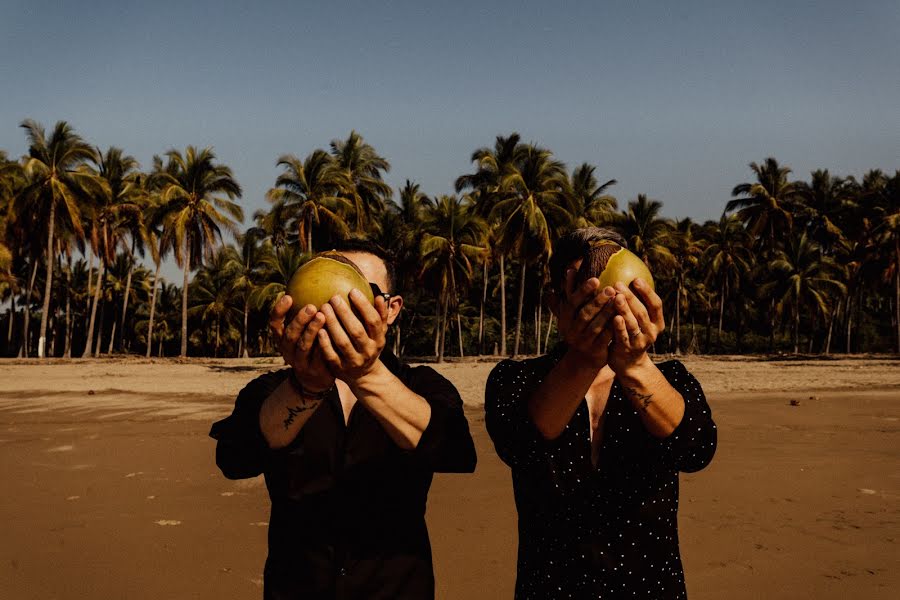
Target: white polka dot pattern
column 609, row 531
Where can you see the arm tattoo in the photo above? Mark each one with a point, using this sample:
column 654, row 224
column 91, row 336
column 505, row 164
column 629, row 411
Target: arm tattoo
column 644, row 399
column 293, row 411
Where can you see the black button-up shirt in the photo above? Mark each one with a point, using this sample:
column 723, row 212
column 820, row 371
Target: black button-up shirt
column 608, row 531
column 348, row 504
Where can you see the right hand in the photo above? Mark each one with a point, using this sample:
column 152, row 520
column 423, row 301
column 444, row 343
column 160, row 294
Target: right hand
column 583, row 315
column 297, row 343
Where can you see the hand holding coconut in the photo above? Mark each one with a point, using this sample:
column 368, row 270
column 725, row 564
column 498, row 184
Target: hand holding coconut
column 636, row 325
column 351, row 344
column 297, row 343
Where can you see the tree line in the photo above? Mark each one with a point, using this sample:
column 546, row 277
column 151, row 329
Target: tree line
column 789, row 266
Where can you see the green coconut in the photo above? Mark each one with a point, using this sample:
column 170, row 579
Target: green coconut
column 610, row 262
column 327, row 275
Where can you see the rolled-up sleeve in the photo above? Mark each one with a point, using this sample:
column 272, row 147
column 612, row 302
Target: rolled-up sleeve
column 241, row 449
column 693, row 443
column 446, row 445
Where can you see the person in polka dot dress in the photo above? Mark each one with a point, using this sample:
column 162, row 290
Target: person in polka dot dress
column 595, row 434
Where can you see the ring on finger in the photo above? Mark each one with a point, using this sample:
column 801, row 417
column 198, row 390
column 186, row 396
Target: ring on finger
column 634, row 334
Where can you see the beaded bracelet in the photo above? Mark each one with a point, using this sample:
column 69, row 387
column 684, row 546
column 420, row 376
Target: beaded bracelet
column 298, row 387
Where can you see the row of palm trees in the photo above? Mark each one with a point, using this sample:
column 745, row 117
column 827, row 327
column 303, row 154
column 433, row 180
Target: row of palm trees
column 789, row 265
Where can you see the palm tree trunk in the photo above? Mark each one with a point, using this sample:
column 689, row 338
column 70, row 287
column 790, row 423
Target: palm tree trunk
column 48, row 284
column 722, row 307
column 23, row 351
column 456, row 298
column 481, row 311
column 88, row 347
column 216, row 349
column 112, row 337
column 502, row 306
column 540, row 318
column 849, row 313
column 897, row 285
column 67, row 353
column 101, row 320
column 90, row 286
column 519, row 310
column 443, row 327
column 12, row 322
column 184, row 297
column 459, row 331
column 152, row 311
column 830, row 328
column 812, row 331
column 797, row 328
column 678, row 318
column 125, row 302
column 246, row 318
column 549, row 329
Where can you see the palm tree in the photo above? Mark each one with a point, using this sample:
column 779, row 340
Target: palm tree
column 728, row 257
column 824, row 200
column 592, row 205
column 363, row 166
column 646, row 232
column 803, row 278
column 58, row 187
column 491, row 165
column 248, row 262
column 449, row 247
column 535, row 209
column 686, row 249
column 198, row 195
column 309, row 193
column 213, row 294
column 765, row 205
column 117, row 213
column 278, row 265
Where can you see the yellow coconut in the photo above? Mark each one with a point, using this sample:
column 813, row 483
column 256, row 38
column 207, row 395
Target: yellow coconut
column 610, row 263
column 328, row 274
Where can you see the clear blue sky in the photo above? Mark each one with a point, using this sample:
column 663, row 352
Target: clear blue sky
column 673, row 99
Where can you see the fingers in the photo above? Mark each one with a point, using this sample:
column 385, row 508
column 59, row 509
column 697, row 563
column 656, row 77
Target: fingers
column 337, row 335
column 632, row 326
column 308, row 337
column 653, row 303
column 593, row 308
column 329, row 355
column 276, row 317
column 373, row 317
column 298, row 324
column 598, row 323
column 620, row 330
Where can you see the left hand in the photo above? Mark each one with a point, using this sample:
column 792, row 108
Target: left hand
column 351, row 345
column 636, row 326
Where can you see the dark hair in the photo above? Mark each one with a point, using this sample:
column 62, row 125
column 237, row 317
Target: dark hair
column 575, row 245
column 369, row 247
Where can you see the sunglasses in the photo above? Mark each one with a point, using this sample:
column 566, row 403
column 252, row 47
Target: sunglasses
column 376, row 291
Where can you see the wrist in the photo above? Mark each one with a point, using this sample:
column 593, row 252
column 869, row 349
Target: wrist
column 375, row 372
column 578, row 363
column 307, row 392
column 637, row 370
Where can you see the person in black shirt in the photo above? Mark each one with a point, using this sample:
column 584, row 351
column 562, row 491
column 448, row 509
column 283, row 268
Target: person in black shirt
column 348, row 439
column 595, row 434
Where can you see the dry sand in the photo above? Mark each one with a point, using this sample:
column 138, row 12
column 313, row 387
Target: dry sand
column 112, row 490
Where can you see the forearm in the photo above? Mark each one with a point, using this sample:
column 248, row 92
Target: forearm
column 403, row 413
column 659, row 405
column 284, row 413
column 556, row 399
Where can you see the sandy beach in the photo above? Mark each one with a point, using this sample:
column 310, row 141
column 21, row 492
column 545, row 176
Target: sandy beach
column 112, row 489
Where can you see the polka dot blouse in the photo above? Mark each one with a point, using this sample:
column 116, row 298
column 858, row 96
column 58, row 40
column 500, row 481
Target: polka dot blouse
column 605, row 531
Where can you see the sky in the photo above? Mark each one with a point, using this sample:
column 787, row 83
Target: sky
column 672, row 99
